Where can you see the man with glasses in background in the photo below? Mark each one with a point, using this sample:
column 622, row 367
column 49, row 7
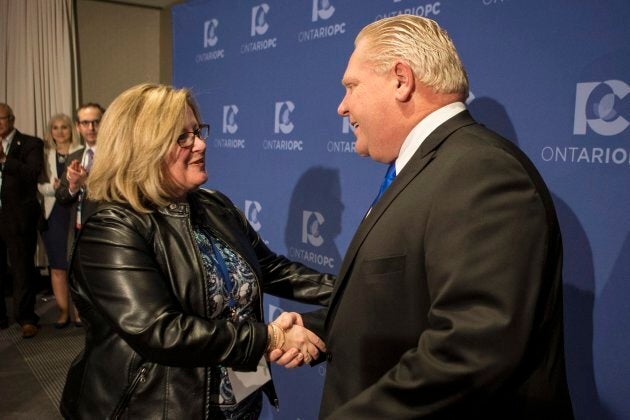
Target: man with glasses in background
column 21, row 162
column 71, row 190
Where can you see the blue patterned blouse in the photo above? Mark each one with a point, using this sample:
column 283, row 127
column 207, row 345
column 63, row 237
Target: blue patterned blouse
column 236, row 304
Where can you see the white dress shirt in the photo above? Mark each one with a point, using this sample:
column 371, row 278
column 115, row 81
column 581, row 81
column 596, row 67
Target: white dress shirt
column 422, row 130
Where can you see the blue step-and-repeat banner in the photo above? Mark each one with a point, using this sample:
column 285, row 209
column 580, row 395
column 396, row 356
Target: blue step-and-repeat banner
column 553, row 76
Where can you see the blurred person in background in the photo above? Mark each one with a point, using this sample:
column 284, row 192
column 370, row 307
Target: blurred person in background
column 72, row 191
column 21, row 163
column 60, row 140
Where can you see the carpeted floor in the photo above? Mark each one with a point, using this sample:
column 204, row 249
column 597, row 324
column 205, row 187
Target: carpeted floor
column 33, row 371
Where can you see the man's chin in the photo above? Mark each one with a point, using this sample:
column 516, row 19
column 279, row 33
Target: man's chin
column 360, row 150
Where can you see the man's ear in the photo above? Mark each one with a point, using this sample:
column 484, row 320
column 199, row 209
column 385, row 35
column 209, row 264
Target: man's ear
column 406, row 81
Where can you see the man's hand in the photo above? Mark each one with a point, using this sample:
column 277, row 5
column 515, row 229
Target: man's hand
column 76, row 176
column 299, row 345
column 287, row 319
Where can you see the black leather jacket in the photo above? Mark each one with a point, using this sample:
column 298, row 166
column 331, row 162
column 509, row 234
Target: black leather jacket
column 138, row 282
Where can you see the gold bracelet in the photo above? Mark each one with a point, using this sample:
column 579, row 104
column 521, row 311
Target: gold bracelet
column 276, row 338
column 271, row 338
column 281, row 338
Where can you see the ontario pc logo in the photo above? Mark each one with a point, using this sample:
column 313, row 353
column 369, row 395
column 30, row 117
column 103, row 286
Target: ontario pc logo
column 229, row 119
column 322, row 9
column 597, row 106
column 259, row 19
column 311, row 221
column 210, row 37
column 282, row 123
column 252, row 209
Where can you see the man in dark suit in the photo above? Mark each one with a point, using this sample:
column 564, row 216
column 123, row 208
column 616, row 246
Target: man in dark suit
column 448, row 303
column 21, row 162
column 71, row 189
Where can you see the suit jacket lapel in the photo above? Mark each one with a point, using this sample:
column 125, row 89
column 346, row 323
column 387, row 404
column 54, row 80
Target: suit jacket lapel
column 16, row 145
column 418, row 162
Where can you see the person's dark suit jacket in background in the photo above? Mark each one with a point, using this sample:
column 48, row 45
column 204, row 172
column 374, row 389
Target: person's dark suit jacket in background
column 20, row 213
column 87, row 120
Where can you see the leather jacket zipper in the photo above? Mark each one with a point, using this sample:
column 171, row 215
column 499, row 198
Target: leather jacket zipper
column 140, row 377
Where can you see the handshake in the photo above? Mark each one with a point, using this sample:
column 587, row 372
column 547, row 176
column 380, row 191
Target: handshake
column 290, row 344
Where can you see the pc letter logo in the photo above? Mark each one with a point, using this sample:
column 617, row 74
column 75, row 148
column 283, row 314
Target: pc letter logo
column 259, row 17
column 595, row 107
column 229, row 119
column 210, row 38
column 322, row 9
column 252, row 209
column 311, row 221
column 283, row 122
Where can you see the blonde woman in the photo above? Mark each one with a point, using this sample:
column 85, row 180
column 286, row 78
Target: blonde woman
column 169, row 278
column 60, row 140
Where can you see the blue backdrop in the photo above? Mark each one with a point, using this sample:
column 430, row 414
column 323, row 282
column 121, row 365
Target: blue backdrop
column 552, row 76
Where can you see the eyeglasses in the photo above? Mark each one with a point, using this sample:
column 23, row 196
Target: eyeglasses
column 187, row 138
column 87, row 123
column 7, row 117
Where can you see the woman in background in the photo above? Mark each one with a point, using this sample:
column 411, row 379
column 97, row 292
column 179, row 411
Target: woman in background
column 169, row 278
column 60, row 140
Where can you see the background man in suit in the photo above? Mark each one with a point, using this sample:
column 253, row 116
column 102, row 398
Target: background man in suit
column 21, row 162
column 448, row 303
column 72, row 182
column 71, row 191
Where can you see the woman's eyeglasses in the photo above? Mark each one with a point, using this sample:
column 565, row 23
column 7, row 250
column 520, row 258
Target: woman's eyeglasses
column 187, row 138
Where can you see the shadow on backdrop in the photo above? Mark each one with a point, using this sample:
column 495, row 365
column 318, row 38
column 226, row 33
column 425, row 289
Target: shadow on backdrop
column 578, row 280
column 579, row 299
column 313, row 223
column 612, row 313
column 314, row 219
column 493, row 115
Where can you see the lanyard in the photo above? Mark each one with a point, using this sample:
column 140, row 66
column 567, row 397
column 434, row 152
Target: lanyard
column 223, row 272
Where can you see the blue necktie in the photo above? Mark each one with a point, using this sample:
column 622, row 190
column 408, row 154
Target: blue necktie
column 389, row 177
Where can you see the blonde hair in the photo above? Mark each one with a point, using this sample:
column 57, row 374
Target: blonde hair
column 421, row 43
column 49, row 141
column 138, row 130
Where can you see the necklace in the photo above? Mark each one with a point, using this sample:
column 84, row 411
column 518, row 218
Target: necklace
column 61, row 158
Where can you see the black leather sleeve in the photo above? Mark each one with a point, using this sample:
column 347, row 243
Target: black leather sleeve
column 119, row 285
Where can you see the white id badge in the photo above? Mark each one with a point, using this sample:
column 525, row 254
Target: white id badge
column 244, row 383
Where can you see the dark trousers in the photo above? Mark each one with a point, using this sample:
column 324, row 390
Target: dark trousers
column 19, row 243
